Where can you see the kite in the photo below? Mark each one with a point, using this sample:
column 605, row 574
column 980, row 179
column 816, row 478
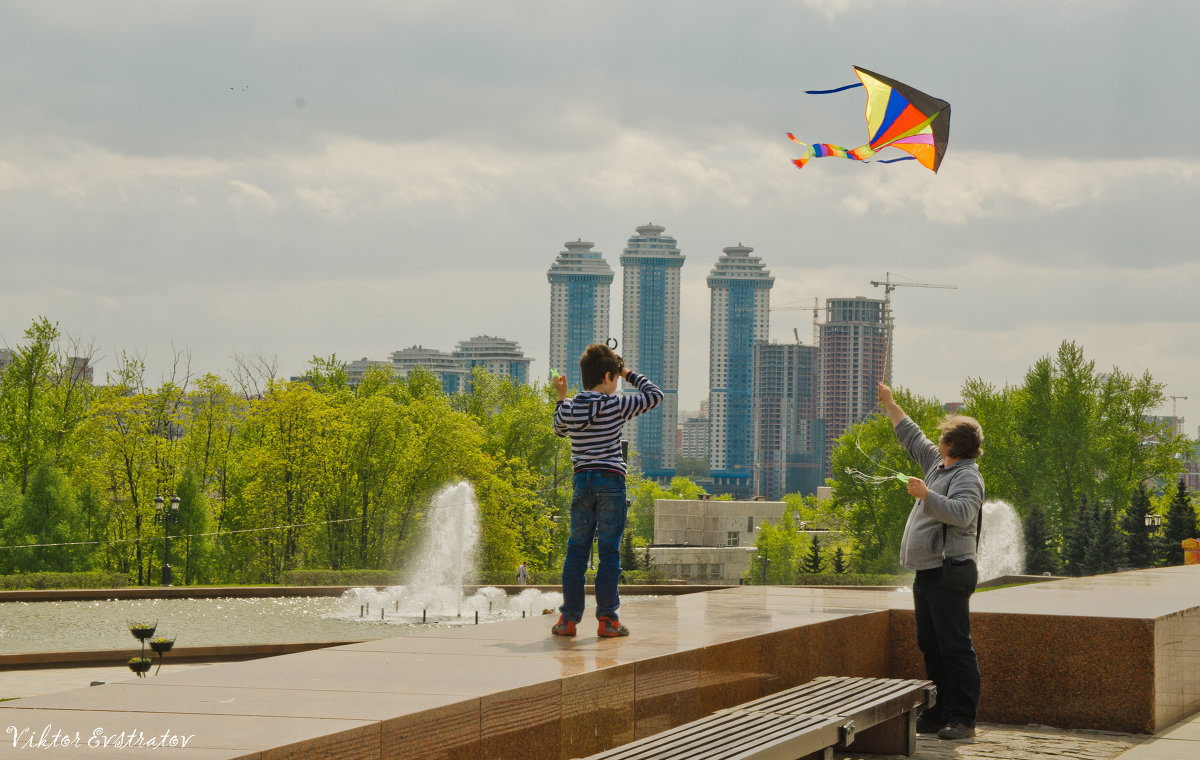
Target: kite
column 898, row 116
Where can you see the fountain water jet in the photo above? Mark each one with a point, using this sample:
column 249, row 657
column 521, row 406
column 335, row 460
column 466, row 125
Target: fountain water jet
column 446, row 558
column 448, row 552
column 1002, row 543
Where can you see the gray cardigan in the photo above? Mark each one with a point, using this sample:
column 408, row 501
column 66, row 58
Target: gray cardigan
column 954, row 500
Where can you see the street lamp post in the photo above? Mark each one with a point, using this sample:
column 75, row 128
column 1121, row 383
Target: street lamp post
column 165, row 516
column 765, row 562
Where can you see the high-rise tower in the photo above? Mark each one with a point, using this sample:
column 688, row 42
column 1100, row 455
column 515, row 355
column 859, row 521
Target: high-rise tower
column 741, row 307
column 579, row 279
column 854, row 351
column 650, row 342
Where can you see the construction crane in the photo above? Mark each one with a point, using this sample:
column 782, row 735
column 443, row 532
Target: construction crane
column 1176, row 427
column 816, row 310
column 889, row 285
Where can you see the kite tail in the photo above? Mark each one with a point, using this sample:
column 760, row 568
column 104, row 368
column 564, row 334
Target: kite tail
column 836, row 89
column 823, row 150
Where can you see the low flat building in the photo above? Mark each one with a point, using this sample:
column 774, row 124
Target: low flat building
column 708, row 540
column 703, row 564
column 357, row 369
column 712, row 522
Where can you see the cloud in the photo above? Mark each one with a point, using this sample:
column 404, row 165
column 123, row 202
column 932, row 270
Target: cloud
column 977, row 185
column 245, row 197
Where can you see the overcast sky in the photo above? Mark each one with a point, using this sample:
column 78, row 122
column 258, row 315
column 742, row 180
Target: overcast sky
column 298, row 178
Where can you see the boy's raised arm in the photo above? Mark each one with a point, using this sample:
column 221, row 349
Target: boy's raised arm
column 560, row 425
column 632, row 406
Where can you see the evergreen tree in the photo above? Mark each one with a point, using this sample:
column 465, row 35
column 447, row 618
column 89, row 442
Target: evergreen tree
column 629, row 560
column 839, row 561
column 1039, row 550
column 1083, row 529
column 1181, row 524
column 813, row 561
column 49, row 514
column 1139, row 548
column 1105, row 549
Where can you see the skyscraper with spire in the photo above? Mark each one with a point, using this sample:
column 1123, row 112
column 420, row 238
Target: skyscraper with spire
column 650, row 342
column 580, row 280
column 740, row 313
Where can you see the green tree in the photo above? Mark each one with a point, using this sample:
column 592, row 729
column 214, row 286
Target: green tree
column 779, row 547
column 691, row 467
column 49, row 514
column 212, row 416
column 1040, row 556
column 839, row 560
column 813, row 562
column 190, row 544
column 642, row 494
column 1106, row 550
column 122, row 449
column 27, row 408
column 629, row 559
column 1139, row 545
column 1180, row 524
column 1083, row 533
column 1069, row 435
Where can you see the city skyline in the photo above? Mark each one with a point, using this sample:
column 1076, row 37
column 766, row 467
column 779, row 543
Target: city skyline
column 386, row 175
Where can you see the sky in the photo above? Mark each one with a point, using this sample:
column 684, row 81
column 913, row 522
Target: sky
column 291, row 179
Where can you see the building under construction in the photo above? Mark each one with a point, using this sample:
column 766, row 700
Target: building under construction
column 807, row 396
column 789, row 440
column 854, row 358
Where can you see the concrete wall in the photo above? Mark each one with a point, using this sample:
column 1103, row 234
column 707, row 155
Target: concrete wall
column 708, row 522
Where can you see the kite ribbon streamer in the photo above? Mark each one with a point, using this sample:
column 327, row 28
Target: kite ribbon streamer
column 838, row 89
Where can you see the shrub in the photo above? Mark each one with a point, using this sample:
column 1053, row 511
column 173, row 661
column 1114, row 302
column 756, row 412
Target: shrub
column 853, row 579
column 63, row 580
column 318, row 577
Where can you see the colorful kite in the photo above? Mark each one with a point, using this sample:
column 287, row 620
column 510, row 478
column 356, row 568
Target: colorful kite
column 898, row 116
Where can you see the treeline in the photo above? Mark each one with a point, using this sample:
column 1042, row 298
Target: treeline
column 1076, row 452
column 272, row 476
column 276, row 478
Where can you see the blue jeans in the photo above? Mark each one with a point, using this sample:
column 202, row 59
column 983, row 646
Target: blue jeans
column 598, row 510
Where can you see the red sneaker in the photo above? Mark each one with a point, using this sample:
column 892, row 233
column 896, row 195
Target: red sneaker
column 610, row 627
column 563, row 627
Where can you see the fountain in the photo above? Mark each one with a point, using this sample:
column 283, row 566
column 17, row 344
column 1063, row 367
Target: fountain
column 434, row 592
column 1002, row 542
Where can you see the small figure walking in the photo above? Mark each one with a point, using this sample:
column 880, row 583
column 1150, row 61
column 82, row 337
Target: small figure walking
column 523, row 575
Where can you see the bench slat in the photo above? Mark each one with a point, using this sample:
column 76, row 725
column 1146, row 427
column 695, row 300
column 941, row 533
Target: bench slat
column 833, row 696
column 735, row 737
column 792, row 723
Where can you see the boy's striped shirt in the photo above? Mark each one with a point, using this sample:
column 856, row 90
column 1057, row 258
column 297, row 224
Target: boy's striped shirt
column 594, row 421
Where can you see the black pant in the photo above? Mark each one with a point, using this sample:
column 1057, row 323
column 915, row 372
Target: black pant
column 942, row 606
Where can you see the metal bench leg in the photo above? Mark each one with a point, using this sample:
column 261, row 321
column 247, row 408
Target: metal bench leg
column 897, row 736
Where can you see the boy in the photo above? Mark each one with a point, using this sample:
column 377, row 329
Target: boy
column 593, row 420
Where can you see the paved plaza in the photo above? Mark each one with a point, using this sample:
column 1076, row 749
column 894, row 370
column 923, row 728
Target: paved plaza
column 1106, row 661
column 992, row 742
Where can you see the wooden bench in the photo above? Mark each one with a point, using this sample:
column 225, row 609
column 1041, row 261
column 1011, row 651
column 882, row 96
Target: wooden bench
column 807, row 721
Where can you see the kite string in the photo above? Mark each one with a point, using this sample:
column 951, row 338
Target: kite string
column 872, row 459
column 874, row 480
